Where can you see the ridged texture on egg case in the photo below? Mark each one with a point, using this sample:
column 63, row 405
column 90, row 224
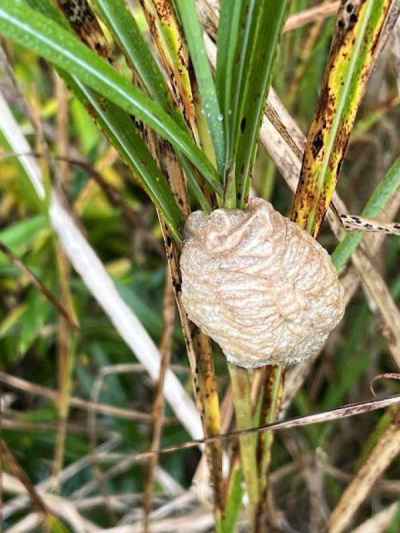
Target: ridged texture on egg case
column 259, row 285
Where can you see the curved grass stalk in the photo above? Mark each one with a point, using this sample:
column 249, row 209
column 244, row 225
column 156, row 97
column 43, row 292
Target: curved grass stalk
column 381, row 456
column 241, row 395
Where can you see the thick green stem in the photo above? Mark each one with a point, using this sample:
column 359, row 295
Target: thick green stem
column 241, row 392
column 273, row 393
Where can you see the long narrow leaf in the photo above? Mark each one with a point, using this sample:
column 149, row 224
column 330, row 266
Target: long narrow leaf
column 168, row 40
column 127, row 140
column 226, row 70
column 127, row 33
column 263, row 28
column 210, row 105
column 121, row 132
column 48, row 39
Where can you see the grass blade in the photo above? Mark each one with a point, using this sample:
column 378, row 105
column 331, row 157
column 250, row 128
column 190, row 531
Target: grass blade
column 40, row 34
column 241, row 395
column 351, row 60
column 168, row 40
column 127, row 33
column 124, row 136
column 121, row 132
column 210, row 105
column 131, row 41
column 228, row 37
column 264, row 23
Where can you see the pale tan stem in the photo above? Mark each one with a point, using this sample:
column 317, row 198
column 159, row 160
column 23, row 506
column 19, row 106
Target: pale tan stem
column 387, row 448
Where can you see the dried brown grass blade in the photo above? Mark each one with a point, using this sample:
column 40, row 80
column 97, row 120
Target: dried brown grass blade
column 339, row 413
column 378, row 290
column 158, row 403
column 385, row 375
column 379, row 522
column 44, row 392
column 357, row 223
column 317, row 13
column 387, row 448
column 8, row 461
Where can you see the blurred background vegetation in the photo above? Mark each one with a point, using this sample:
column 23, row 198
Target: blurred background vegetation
column 310, row 467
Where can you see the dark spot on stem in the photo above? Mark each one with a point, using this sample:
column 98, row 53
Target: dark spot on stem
column 317, row 144
column 353, row 18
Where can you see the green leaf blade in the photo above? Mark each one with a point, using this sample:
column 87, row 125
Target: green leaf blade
column 40, row 34
column 228, row 37
column 121, row 132
column 128, row 35
column 126, row 139
column 264, row 25
column 208, row 93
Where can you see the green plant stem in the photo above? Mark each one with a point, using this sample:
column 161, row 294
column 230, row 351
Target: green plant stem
column 234, row 498
column 241, row 393
column 273, row 393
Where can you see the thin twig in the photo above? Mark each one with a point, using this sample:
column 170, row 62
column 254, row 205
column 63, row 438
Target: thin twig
column 21, row 475
column 69, row 472
column 65, row 338
column 158, row 404
column 327, row 416
column 71, row 320
column 313, row 14
column 38, row 390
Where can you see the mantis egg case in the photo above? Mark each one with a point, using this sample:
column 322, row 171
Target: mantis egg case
column 259, row 285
